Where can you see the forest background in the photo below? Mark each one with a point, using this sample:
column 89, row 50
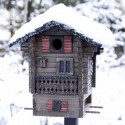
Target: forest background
column 14, row 66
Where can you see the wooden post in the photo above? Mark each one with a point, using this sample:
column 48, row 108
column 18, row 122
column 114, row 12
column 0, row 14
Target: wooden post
column 70, row 121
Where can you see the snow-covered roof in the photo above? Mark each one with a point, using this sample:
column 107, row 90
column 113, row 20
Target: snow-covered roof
column 67, row 19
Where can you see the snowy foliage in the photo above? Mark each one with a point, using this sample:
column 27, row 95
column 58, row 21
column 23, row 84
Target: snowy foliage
column 108, row 13
column 109, row 91
column 80, row 24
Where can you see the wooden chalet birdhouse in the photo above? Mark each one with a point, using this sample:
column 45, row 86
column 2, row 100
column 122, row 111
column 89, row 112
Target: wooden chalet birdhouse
column 62, row 51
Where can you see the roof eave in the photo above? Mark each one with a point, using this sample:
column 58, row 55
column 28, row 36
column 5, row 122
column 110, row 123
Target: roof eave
column 49, row 25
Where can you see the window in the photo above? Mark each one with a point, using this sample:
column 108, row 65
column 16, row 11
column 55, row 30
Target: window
column 65, row 65
column 68, row 66
column 61, row 66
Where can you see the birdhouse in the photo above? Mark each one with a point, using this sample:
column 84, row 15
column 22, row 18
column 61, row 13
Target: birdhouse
column 62, row 51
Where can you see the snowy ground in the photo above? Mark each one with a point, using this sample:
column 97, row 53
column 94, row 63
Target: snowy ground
column 14, row 96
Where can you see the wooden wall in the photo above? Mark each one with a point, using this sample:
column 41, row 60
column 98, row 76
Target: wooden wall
column 82, row 54
column 88, row 64
column 40, row 105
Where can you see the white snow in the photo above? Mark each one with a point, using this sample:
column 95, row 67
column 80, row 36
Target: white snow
column 24, row 118
column 4, row 33
column 123, row 4
column 109, row 91
column 2, row 36
column 72, row 19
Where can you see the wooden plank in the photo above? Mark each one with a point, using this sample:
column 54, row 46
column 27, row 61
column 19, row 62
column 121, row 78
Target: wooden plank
column 39, row 44
column 40, row 52
column 52, row 59
column 85, row 79
column 85, row 70
column 90, row 49
column 25, row 44
column 94, row 72
column 90, row 54
column 32, row 42
column 52, row 70
column 55, row 55
column 32, row 66
column 85, row 60
column 85, row 64
column 68, row 44
column 80, row 90
column 30, row 76
column 46, row 70
column 86, row 44
column 41, row 101
column 52, row 65
column 84, row 74
column 56, row 31
column 45, row 44
column 24, row 48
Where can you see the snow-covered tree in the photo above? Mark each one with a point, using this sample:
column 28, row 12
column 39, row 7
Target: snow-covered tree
column 107, row 12
column 16, row 12
column 69, row 2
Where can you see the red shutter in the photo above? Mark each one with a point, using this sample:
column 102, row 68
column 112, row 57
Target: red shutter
column 63, row 104
column 67, row 44
column 64, row 107
column 45, row 44
column 50, row 105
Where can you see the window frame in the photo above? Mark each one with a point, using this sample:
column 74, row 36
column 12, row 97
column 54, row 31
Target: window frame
column 58, row 65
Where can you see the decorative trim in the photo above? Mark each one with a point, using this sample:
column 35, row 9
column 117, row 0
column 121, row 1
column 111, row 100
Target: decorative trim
column 67, row 44
column 56, row 85
column 57, row 106
column 64, row 60
column 45, row 44
column 57, row 76
column 43, row 62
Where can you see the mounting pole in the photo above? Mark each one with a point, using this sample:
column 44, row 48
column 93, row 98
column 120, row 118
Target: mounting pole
column 70, row 121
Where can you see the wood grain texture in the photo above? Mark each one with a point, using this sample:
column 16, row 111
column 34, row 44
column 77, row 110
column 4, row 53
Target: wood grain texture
column 56, row 31
column 45, row 44
column 80, row 86
column 38, row 48
column 32, row 65
column 41, row 107
column 56, row 85
column 68, row 44
column 94, row 71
